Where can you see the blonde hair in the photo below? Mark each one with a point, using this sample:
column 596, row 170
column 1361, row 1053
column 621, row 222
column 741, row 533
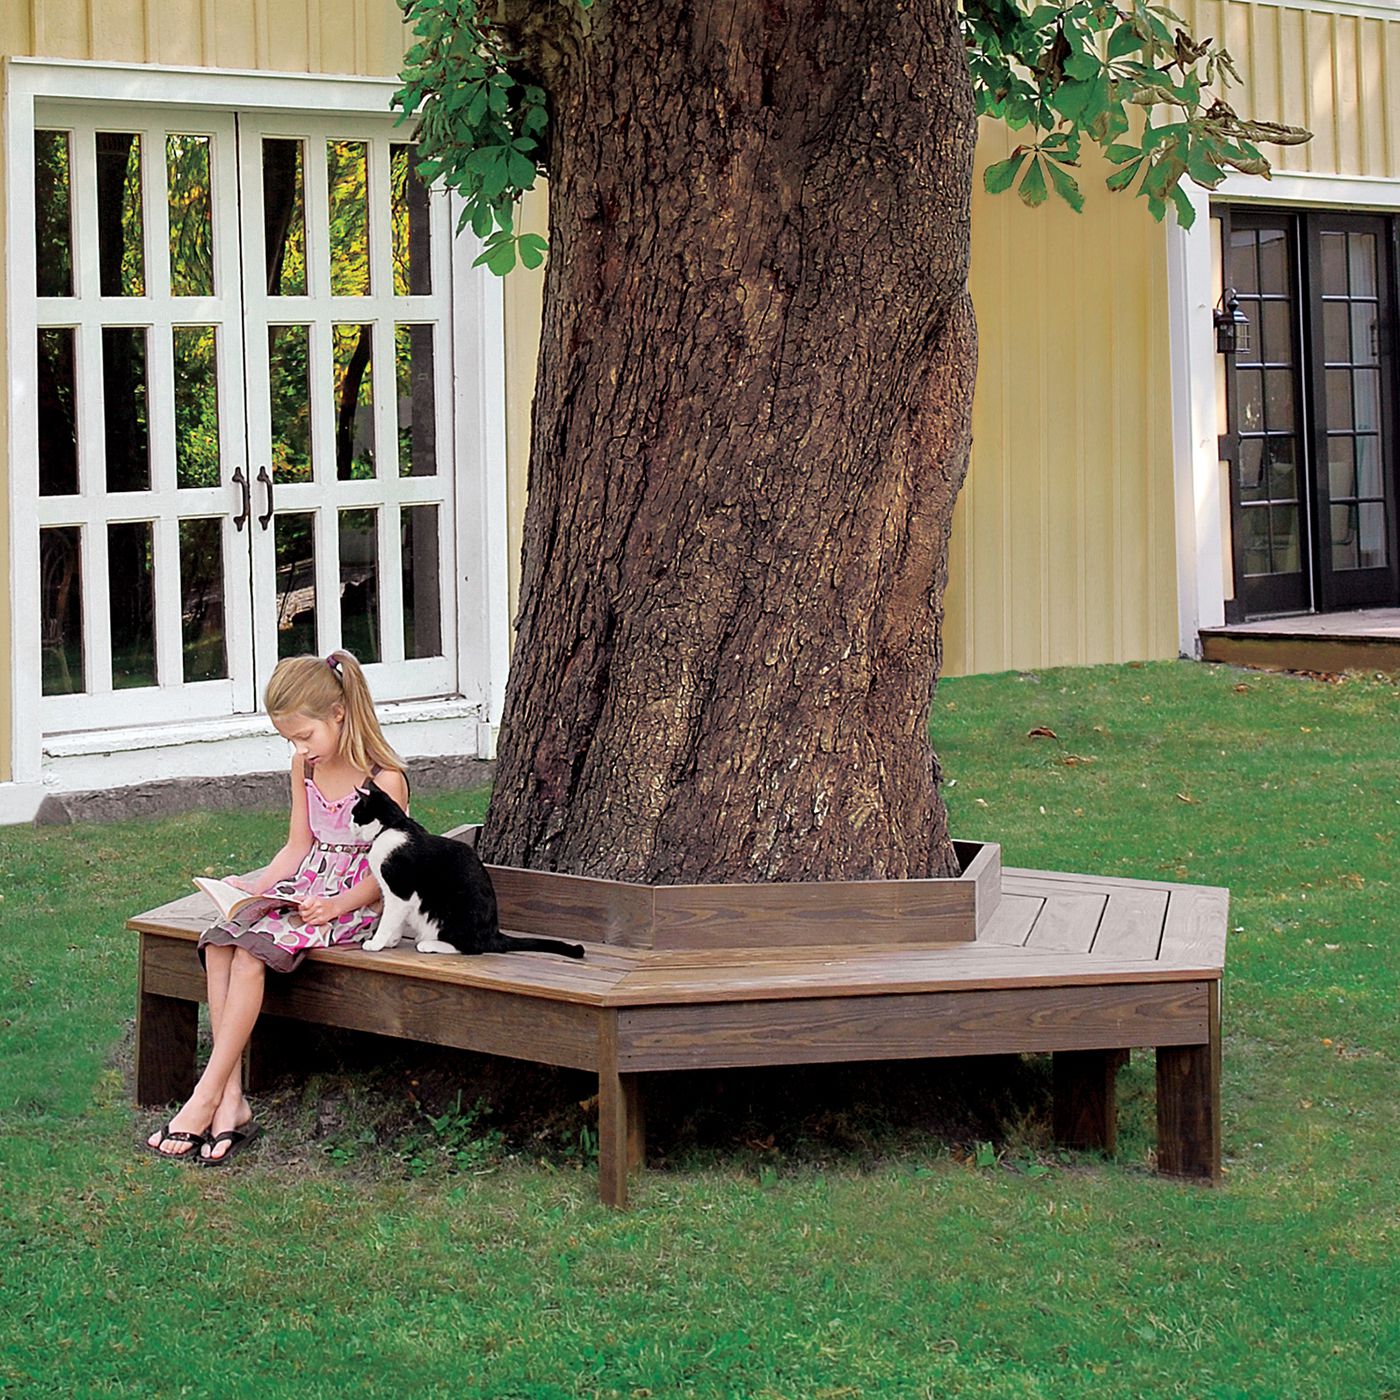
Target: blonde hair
column 313, row 686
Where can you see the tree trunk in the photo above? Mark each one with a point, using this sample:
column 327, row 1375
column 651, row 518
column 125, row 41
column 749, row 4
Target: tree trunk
column 751, row 421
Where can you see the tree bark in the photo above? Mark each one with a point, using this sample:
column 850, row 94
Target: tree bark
column 751, row 422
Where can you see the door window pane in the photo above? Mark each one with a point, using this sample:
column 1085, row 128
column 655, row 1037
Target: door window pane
column 1336, row 333
column 1368, row 466
column 1334, row 264
column 353, row 355
column 1283, row 476
column 204, row 650
column 61, row 609
column 191, row 216
column 289, row 401
column 1365, row 335
column 422, row 610
column 124, row 408
column 1278, row 408
column 132, row 600
column 347, row 182
column 1287, row 558
column 1277, row 332
column 294, row 542
column 1361, row 257
column 1273, row 262
column 1341, row 467
column 1244, row 268
column 359, row 583
column 1255, row 531
column 53, row 220
column 1371, row 532
column 57, row 404
column 1366, row 398
column 1344, row 543
column 1249, row 384
column 121, row 254
column 284, row 217
column 412, row 247
column 1338, row 399
column 413, row 357
column 196, row 405
column 1254, row 483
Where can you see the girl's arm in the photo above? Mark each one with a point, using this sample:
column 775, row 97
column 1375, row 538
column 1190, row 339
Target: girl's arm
column 288, row 860
column 322, row 911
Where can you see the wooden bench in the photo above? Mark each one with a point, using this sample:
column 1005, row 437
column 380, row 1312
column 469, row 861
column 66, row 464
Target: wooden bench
column 1078, row 967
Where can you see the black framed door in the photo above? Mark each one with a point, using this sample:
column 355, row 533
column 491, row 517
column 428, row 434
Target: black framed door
column 1311, row 400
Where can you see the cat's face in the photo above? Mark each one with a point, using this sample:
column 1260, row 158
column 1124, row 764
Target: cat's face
column 372, row 807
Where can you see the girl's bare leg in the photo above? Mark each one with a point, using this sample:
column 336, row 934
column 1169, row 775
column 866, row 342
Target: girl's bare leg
column 235, row 981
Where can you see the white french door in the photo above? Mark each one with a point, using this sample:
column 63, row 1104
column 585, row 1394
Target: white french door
column 242, row 400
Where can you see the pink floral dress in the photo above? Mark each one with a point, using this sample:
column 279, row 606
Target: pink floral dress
column 273, row 931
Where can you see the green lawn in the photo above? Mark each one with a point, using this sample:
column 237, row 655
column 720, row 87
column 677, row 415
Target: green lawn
column 413, row 1225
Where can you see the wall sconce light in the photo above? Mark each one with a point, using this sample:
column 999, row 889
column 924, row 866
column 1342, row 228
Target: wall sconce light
column 1231, row 326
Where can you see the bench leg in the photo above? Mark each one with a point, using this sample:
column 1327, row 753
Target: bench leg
column 1085, row 1098
column 621, row 1131
column 1188, row 1104
column 275, row 1047
column 166, row 1028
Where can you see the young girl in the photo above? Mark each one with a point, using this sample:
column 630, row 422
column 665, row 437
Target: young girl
column 322, row 707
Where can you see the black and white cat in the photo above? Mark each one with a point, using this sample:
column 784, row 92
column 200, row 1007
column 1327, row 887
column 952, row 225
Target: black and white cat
column 434, row 888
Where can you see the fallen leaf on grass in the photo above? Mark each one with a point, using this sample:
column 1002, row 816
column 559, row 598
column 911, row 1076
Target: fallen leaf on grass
column 1070, row 760
column 1041, row 732
column 1241, row 689
column 1186, row 797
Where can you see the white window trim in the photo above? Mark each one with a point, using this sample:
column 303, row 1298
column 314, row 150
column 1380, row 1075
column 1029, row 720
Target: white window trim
column 482, row 582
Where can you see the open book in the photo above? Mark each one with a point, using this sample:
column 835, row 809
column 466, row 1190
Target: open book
column 230, row 899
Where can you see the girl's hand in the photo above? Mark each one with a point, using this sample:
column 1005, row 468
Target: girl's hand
column 316, row 910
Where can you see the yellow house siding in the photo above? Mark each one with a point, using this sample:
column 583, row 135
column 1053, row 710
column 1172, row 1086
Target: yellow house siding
column 1063, row 546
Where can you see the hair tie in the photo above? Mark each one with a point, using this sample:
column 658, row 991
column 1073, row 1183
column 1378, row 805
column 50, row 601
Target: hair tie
column 334, row 664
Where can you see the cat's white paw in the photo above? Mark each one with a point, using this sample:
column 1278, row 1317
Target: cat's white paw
column 435, row 945
column 377, row 944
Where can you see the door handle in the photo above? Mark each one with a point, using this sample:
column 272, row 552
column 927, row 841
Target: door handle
column 266, row 481
column 240, row 479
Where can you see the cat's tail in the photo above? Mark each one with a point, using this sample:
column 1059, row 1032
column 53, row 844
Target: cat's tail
column 511, row 944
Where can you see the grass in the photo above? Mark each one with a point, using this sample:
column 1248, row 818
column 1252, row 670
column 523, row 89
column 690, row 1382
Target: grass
column 426, row 1225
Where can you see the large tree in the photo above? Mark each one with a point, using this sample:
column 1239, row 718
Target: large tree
column 754, row 392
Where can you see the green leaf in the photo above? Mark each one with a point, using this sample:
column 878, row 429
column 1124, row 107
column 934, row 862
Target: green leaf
column 1185, row 210
column 1124, row 176
column 998, row 178
column 1032, row 189
column 1067, row 187
column 521, row 170
column 532, row 249
column 1125, row 40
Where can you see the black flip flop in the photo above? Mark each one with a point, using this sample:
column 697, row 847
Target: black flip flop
column 237, row 1139
column 169, row 1134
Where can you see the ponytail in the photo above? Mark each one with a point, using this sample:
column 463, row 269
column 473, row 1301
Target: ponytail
column 314, row 686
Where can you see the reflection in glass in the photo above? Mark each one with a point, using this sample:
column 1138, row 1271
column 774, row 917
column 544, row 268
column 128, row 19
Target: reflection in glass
column 1273, row 262
column 1339, row 399
column 1255, row 530
column 352, row 353
column 1334, row 264
column 196, row 405
column 1344, row 550
column 124, row 408
column 294, row 540
column 1277, row 330
column 57, row 403
column 1368, row 466
column 1254, row 484
column 289, row 401
column 1361, row 249
column 1244, row 275
column 1371, row 535
column 1287, row 558
column 284, row 217
column 1341, row 468
column 53, row 221
column 1365, row 337
column 422, row 612
column 1283, row 477
column 1336, row 333
column 191, row 216
column 408, row 205
column 1366, row 392
column 359, row 583
column 417, row 427
column 1249, row 384
column 132, row 599
column 121, row 255
column 202, row 600
column 347, row 187
column 1278, row 392
column 61, row 609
